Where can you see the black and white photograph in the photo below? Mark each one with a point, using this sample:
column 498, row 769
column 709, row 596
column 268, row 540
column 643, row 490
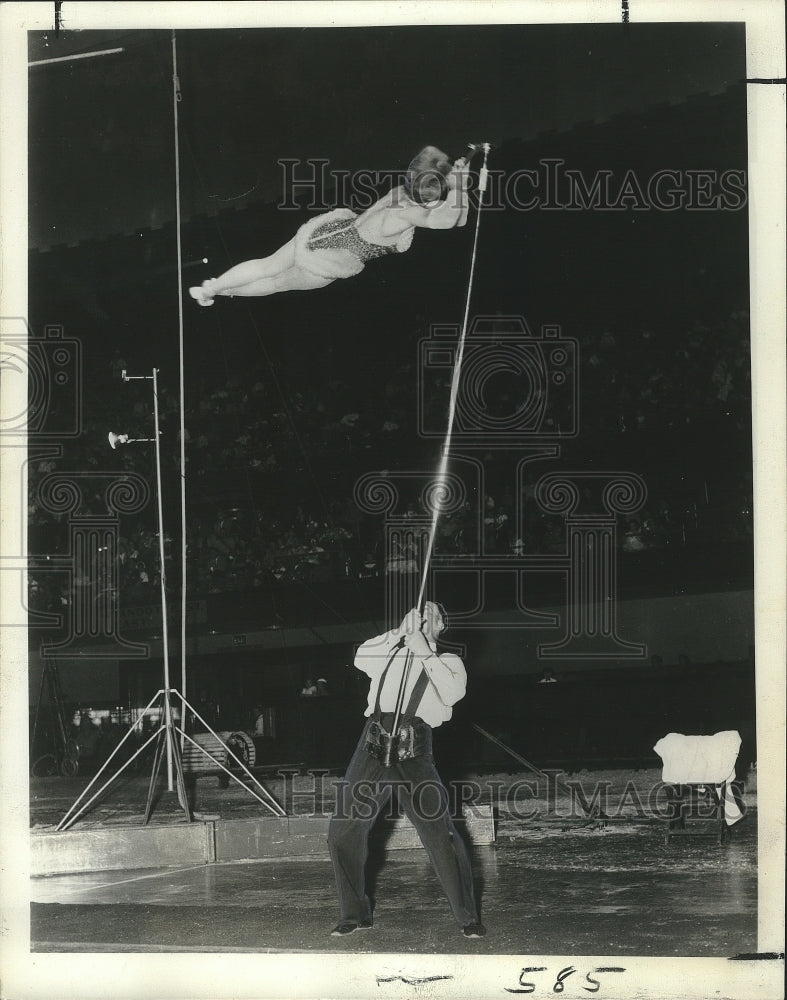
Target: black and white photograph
column 393, row 456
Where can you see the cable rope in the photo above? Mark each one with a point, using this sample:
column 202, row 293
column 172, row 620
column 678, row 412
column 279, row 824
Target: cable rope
column 176, row 98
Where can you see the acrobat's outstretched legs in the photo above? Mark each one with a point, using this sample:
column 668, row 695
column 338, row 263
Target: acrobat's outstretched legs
column 294, row 279
column 262, row 276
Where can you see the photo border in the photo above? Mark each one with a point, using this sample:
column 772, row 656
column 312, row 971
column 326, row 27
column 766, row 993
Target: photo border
column 26, row 974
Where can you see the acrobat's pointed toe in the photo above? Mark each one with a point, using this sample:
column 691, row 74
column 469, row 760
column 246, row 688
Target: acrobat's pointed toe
column 200, row 296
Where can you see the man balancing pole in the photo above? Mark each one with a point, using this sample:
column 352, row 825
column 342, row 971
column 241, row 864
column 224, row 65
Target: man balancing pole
column 403, row 760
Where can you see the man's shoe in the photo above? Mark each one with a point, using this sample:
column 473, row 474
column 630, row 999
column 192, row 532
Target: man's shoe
column 349, row 926
column 474, row 930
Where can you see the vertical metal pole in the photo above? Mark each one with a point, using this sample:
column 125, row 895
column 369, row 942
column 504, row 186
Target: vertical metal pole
column 164, row 633
column 176, row 97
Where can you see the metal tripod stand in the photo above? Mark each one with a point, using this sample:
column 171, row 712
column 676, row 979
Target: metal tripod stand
column 167, row 743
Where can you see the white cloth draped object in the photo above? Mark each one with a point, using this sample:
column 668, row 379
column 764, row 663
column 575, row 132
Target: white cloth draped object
column 702, row 760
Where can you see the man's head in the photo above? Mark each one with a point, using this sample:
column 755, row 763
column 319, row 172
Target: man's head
column 435, row 619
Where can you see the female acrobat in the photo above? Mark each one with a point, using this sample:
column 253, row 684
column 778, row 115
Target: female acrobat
column 339, row 243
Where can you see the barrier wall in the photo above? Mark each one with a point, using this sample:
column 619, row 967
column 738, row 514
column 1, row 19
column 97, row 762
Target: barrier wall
column 598, row 710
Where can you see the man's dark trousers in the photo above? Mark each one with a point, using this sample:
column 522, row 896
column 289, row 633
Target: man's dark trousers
column 366, row 789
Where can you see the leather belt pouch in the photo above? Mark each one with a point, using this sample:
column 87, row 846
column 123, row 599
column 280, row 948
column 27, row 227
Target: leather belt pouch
column 409, row 741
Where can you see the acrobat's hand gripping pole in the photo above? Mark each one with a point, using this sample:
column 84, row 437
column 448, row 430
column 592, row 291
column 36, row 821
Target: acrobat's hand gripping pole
column 441, row 489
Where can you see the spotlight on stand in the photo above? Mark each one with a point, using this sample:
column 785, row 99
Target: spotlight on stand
column 116, row 439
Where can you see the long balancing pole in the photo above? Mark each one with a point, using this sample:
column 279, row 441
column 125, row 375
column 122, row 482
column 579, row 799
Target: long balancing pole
column 164, row 633
column 442, row 472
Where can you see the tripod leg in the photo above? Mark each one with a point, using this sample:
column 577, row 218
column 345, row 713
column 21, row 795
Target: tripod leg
column 180, row 777
column 154, row 776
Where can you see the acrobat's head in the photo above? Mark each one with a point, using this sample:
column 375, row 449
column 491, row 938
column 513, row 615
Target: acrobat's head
column 425, row 178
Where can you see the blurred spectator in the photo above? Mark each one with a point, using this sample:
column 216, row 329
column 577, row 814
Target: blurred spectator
column 208, row 710
column 632, row 540
column 273, row 471
column 259, row 721
column 403, row 557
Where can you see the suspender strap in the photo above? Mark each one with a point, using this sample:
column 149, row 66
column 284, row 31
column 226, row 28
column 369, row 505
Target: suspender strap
column 391, row 658
column 418, row 693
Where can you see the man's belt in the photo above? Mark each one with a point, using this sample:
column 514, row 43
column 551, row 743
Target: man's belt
column 410, row 740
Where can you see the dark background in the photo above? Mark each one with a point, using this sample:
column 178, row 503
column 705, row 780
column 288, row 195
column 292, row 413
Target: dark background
column 101, row 141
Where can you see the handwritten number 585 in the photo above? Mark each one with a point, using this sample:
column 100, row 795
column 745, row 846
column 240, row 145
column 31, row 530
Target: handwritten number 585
column 526, row 986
